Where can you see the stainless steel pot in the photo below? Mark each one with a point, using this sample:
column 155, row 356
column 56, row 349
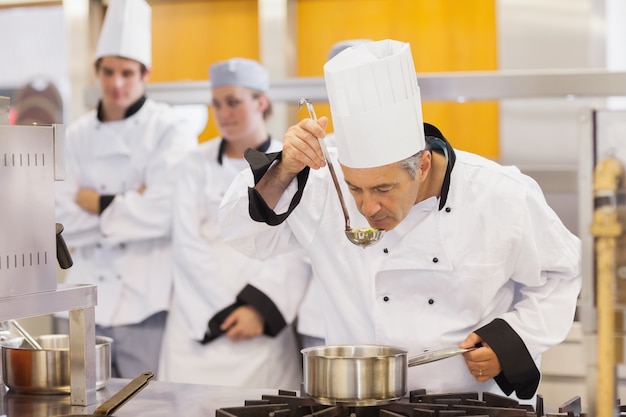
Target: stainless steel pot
column 361, row 375
column 47, row 371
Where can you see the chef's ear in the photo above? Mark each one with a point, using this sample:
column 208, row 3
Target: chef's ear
column 265, row 105
column 145, row 73
column 425, row 163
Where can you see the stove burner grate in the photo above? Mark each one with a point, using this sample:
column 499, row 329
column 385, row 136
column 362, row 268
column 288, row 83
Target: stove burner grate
column 418, row 404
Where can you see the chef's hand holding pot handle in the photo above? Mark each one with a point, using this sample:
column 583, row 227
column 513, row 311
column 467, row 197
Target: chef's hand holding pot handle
column 482, row 362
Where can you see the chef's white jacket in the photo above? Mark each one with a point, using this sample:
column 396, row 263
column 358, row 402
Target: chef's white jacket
column 496, row 250
column 126, row 250
column 209, row 276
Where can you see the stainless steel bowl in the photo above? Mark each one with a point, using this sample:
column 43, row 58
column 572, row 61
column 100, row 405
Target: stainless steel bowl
column 47, row 371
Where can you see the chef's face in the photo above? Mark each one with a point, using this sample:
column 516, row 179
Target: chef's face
column 385, row 195
column 122, row 81
column 238, row 111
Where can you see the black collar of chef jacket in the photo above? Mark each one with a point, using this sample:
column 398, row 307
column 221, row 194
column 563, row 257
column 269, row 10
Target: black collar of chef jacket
column 262, row 148
column 439, row 144
column 134, row 108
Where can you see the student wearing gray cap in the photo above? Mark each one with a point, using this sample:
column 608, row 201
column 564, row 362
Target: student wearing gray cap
column 230, row 318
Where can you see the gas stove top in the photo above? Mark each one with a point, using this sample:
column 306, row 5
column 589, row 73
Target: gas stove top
column 418, row 404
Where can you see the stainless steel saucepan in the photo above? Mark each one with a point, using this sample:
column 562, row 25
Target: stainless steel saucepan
column 47, row 370
column 362, row 375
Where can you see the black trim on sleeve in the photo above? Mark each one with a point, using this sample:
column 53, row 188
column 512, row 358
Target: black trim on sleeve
column 274, row 320
column 259, row 210
column 105, row 201
column 250, row 295
column 519, row 371
column 213, row 327
column 260, row 162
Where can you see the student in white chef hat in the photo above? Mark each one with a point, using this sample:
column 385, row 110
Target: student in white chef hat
column 116, row 200
column 230, row 320
column 471, row 254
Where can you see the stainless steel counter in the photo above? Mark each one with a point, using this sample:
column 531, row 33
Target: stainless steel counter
column 157, row 399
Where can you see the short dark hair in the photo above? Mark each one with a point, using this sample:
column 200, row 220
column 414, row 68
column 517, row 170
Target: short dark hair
column 143, row 69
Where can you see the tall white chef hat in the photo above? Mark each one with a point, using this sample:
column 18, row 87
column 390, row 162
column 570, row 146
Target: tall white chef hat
column 375, row 104
column 127, row 31
column 241, row 72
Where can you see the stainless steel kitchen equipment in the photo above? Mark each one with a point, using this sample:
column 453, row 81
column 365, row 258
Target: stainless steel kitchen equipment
column 31, row 160
column 164, row 399
column 362, row 375
column 47, row 371
column 419, row 403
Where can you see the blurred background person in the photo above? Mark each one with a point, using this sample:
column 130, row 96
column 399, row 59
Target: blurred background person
column 116, row 200
column 230, row 321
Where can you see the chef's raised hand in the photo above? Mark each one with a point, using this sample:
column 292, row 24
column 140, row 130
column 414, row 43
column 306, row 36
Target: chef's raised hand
column 482, row 362
column 242, row 324
column 301, row 147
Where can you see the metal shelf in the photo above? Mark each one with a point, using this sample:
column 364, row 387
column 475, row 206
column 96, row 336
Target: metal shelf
column 445, row 86
column 80, row 301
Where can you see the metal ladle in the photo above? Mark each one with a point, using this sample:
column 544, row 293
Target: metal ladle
column 360, row 237
column 31, row 340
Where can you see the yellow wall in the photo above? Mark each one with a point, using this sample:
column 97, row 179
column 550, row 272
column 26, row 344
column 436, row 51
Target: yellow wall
column 445, row 35
column 190, row 35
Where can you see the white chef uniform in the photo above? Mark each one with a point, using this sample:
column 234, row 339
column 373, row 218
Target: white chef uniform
column 208, row 277
column 211, row 279
column 125, row 250
column 488, row 254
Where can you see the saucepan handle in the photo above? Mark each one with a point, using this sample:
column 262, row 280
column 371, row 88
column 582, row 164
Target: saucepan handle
column 437, row 355
column 126, row 393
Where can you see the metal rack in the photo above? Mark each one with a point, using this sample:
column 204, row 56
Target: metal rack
column 80, row 301
column 446, row 86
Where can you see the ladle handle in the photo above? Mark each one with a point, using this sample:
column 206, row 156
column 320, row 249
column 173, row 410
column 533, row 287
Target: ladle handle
column 329, row 162
column 31, row 340
column 331, row 168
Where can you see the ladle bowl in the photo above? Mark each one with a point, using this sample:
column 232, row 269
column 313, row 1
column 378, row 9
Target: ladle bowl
column 364, row 237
